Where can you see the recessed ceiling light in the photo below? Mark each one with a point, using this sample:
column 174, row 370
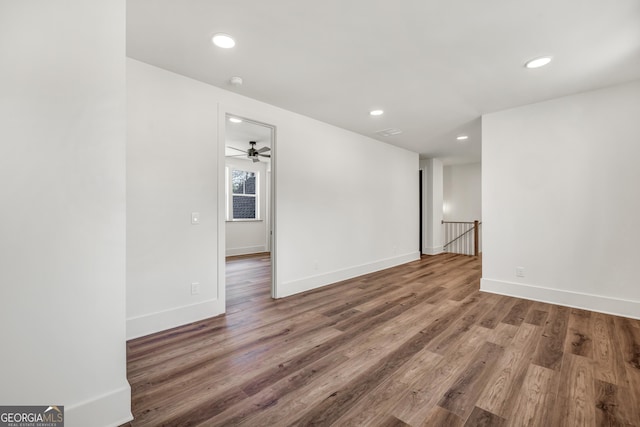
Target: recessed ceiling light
column 376, row 112
column 462, row 137
column 224, row 41
column 538, row 62
column 235, row 120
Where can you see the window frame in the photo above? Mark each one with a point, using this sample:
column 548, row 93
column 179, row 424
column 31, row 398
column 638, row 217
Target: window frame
column 230, row 194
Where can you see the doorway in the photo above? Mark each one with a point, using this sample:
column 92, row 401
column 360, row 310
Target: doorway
column 249, row 159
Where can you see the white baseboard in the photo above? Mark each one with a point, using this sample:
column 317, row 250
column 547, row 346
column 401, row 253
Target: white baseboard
column 599, row 303
column 108, row 410
column 433, row 251
column 167, row 319
column 246, row 250
column 306, row 284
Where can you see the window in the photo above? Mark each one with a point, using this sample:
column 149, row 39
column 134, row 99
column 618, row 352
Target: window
column 244, row 198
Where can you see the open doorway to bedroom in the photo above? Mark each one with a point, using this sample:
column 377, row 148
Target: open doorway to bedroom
column 249, row 160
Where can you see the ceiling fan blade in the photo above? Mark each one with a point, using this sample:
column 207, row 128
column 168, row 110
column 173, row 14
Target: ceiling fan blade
column 264, row 155
column 263, row 149
column 255, row 159
column 237, row 149
column 237, row 155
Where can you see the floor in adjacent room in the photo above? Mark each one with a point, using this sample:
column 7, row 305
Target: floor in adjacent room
column 413, row 345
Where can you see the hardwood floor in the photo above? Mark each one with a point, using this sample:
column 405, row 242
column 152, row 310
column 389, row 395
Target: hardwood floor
column 414, row 345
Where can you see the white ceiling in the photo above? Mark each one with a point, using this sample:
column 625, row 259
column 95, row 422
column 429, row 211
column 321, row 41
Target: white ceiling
column 433, row 66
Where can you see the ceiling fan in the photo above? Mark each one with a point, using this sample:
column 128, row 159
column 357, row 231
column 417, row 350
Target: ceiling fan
column 252, row 153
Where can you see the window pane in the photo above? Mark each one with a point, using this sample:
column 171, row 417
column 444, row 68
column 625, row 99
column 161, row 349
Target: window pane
column 244, row 207
column 243, row 182
column 250, row 183
column 237, row 181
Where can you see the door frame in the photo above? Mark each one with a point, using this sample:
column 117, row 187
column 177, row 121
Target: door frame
column 263, row 120
column 420, row 209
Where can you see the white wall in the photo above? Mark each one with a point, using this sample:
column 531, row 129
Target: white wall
column 62, row 187
column 339, row 213
column 432, row 196
column 247, row 237
column 350, row 208
column 462, row 189
column 560, row 198
column 172, row 171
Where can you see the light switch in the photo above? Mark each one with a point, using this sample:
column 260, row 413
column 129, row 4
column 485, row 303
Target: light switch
column 195, row 218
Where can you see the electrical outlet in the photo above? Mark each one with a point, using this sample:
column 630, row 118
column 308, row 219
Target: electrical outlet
column 195, row 288
column 519, row 271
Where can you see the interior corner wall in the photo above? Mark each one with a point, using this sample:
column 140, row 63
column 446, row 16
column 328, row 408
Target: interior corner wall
column 462, row 189
column 560, row 199
column 62, row 185
column 248, row 237
column 338, row 215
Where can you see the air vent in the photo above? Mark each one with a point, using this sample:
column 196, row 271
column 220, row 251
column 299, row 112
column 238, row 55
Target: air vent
column 388, row 132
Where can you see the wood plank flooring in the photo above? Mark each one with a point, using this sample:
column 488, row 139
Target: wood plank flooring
column 415, row 345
